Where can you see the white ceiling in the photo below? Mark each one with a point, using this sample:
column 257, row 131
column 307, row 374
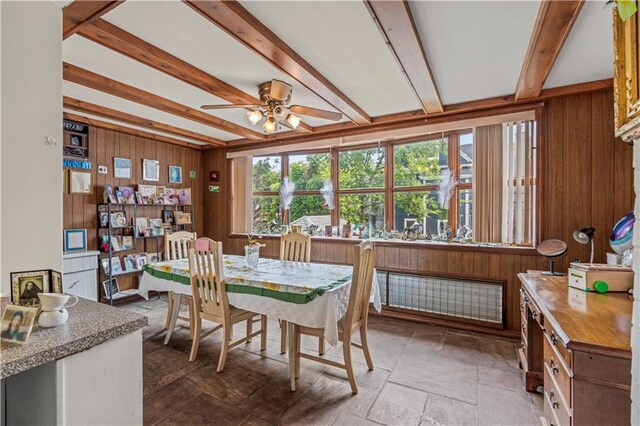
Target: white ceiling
column 475, row 49
column 587, row 54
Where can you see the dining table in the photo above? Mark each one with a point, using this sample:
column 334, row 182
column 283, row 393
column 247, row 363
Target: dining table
column 307, row 294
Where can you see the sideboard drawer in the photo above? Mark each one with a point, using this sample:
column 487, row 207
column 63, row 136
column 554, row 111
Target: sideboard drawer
column 551, row 337
column 79, row 264
column 556, row 369
column 554, row 406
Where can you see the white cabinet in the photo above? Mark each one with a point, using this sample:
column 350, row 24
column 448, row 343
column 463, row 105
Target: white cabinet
column 80, row 274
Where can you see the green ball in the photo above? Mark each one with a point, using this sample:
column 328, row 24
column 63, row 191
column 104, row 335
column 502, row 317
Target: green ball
column 601, row 286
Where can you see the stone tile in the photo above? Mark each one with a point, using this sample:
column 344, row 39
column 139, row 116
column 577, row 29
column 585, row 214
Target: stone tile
column 497, row 353
column 233, row 385
column 347, row 419
column 273, row 399
column 505, row 378
column 429, row 340
column 435, row 374
column 309, row 412
column 205, row 409
column 503, row 407
column 461, row 346
column 163, row 366
column 335, row 390
column 175, row 394
column 446, row 411
column 398, row 405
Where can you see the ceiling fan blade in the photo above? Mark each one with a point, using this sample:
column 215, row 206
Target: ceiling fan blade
column 279, row 90
column 227, row 106
column 315, row 112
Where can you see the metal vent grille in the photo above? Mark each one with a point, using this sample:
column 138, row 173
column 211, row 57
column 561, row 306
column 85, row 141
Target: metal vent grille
column 474, row 300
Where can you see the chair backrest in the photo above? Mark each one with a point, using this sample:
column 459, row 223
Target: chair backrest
column 207, row 277
column 175, row 244
column 295, row 247
column 361, row 281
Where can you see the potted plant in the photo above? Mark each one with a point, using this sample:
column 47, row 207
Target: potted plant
column 252, row 251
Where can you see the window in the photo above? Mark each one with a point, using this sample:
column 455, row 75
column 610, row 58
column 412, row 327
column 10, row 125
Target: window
column 396, row 185
column 267, row 175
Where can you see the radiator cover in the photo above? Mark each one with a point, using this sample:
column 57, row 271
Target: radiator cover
column 453, row 297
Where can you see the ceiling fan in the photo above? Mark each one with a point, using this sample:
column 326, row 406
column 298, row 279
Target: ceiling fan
column 275, row 96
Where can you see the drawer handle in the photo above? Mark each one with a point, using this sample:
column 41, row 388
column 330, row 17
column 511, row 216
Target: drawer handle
column 73, row 285
column 554, row 403
column 554, row 339
column 554, row 368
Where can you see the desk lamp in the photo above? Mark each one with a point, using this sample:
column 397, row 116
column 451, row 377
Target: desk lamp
column 584, row 236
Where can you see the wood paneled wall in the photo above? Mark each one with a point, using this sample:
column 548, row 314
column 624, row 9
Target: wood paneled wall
column 80, row 211
column 586, row 181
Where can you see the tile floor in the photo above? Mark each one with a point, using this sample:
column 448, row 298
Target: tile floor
column 423, row 375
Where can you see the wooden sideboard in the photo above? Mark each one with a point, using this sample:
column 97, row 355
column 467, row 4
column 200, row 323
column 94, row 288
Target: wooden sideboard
column 577, row 345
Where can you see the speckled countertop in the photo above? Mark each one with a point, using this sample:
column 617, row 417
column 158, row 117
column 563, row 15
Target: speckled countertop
column 89, row 324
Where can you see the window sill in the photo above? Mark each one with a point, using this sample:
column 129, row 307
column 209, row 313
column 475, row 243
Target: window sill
column 478, row 247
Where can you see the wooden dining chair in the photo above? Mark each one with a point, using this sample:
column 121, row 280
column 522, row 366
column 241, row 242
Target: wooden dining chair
column 354, row 319
column 210, row 300
column 295, row 247
column 175, row 247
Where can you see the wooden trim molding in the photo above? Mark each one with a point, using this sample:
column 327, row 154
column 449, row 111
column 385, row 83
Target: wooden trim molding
column 112, row 114
column 553, row 25
column 80, row 13
column 396, row 24
column 236, row 21
column 129, row 131
column 95, row 81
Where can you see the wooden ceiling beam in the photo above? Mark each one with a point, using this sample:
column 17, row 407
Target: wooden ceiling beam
column 129, row 131
column 552, row 27
column 112, row 114
column 103, row 84
column 453, row 112
column 395, row 22
column 236, row 21
column 80, row 13
column 119, row 40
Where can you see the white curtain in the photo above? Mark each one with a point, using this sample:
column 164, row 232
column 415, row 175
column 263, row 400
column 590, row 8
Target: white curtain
column 242, row 194
column 519, row 166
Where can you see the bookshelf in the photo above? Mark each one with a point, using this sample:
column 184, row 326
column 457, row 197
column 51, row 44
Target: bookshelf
column 120, row 226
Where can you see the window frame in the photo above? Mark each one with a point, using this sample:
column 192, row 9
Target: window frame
column 389, row 190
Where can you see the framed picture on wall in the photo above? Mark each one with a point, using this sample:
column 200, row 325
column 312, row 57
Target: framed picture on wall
column 80, row 182
column 75, row 239
column 175, row 174
column 122, row 168
column 151, row 170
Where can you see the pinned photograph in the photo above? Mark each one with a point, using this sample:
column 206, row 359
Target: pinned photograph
column 122, row 168
column 151, row 170
column 175, row 174
column 17, row 323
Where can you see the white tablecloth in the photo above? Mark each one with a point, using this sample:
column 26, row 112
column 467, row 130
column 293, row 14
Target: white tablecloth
column 323, row 311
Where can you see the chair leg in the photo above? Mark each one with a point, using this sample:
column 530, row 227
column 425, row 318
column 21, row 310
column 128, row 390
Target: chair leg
column 320, row 345
column 292, row 358
column 263, row 335
column 197, row 327
column 297, row 350
column 249, row 328
column 169, row 310
column 225, row 346
column 365, row 346
column 346, row 347
column 283, row 337
column 191, row 318
column 174, row 317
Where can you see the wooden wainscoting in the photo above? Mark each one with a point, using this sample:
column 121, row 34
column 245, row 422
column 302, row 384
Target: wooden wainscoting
column 79, row 211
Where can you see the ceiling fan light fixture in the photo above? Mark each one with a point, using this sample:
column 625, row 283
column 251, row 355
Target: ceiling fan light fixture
column 254, row 116
column 294, row 121
column 270, row 125
column 280, row 113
